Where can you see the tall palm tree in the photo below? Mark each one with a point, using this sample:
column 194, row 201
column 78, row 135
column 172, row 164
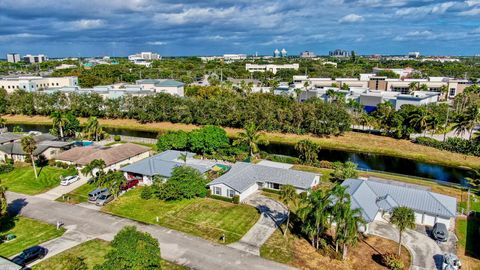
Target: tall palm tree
column 288, row 196
column 403, row 218
column 420, row 119
column 467, row 121
column 29, row 145
column 348, row 231
column 250, row 137
column 341, row 199
column 93, row 128
column 413, row 86
column 96, row 164
column 315, row 212
column 59, row 121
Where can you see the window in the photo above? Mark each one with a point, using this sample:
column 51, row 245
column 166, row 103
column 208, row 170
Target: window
column 452, row 92
column 230, row 193
column 217, row 191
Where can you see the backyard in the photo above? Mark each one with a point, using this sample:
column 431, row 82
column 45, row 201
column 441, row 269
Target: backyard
column 93, row 253
column 28, row 233
column 22, row 179
column 203, row 217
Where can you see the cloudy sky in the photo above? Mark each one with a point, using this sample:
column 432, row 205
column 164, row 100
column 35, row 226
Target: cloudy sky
column 61, row 28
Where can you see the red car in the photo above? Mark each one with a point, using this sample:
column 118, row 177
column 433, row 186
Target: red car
column 129, row 184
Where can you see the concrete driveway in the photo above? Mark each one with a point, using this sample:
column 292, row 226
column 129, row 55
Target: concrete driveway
column 273, row 214
column 426, row 254
column 57, row 192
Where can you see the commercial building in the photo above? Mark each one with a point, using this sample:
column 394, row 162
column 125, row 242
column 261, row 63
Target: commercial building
column 35, row 83
column 234, row 57
column 401, row 72
column 269, row 67
column 144, row 56
column 31, row 59
column 308, row 54
column 13, row 57
column 339, row 53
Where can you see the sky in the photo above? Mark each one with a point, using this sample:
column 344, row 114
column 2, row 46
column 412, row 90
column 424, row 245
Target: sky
column 75, row 28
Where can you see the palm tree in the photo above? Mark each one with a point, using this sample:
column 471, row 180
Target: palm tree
column 443, row 92
column 3, row 201
column 59, row 120
column 413, row 86
column 466, row 121
column 29, row 145
column 315, row 214
column 288, row 196
column 93, row 128
column 404, row 218
column 420, row 119
column 183, row 157
column 342, row 198
column 348, row 231
column 96, row 164
column 250, row 137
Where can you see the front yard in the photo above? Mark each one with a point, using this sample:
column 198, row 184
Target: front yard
column 78, row 195
column 468, row 233
column 22, row 179
column 203, row 217
column 29, row 233
column 93, row 252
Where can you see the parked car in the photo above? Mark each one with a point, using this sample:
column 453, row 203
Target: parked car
column 451, row 262
column 104, row 199
column 29, row 255
column 129, row 184
column 69, row 179
column 440, row 232
column 93, row 195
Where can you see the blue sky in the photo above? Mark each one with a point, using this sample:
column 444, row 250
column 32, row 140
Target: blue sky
column 193, row 27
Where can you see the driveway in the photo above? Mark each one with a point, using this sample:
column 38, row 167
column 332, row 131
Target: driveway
column 57, row 192
column 273, row 214
column 426, row 254
column 183, row 249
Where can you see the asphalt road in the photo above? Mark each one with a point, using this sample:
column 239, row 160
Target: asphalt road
column 187, row 250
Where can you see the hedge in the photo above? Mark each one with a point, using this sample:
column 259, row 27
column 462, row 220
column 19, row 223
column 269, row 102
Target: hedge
column 221, row 198
column 269, row 190
column 457, row 145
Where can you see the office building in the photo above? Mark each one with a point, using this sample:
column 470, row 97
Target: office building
column 36, row 83
column 307, row 54
column 13, row 57
column 31, row 59
column 269, row 67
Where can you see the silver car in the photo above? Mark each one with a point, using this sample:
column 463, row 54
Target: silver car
column 104, row 199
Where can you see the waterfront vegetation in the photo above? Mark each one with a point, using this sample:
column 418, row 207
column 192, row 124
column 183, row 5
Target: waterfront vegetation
column 203, row 217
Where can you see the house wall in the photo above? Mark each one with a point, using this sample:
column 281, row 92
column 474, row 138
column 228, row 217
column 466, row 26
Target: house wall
column 223, row 190
column 248, row 192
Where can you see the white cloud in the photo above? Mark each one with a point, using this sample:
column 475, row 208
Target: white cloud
column 158, row 43
column 471, row 12
column 85, row 24
column 425, row 10
column 13, row 37
column 351, row 18
column 472, row 3
column 196, row 15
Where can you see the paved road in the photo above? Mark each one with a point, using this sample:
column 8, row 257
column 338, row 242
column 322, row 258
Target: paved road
column 426, row 254
column 273, row 214
column 187, row 250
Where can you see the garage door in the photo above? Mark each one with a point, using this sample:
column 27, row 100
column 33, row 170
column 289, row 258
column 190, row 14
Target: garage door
column 418, row 218
column 445, row 221
column 429, row 220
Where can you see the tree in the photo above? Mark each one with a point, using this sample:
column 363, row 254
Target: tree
column 3, row 122
column 93, row 129
column 208, row 140
column 403, row 218
column 29, row 145
column 314, row 213
column 177, row 140
column 72, row 126
column 132, row 249
column 59, row 121
column 308, row 151
column 185, row 183
column 466, row 122
column 420, row 119
column 250, row 137
column 89, row 169
column 348, row 232
column 474, row 180
column 3, row 202
column 289, row 197
column 342, row 171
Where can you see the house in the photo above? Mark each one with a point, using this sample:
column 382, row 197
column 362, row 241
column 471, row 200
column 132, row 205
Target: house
column 9, row 137
column 376, row 198
column 243, row 179
column 162, row 165
column 114, row 157
column 47, row 146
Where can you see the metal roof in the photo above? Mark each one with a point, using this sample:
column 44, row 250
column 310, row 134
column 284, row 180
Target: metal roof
column 243, row 175
column 373, row 196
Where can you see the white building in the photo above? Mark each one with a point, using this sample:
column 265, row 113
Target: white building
column 270, row 67
column 13, row 57
column 234, row 57
column 65, row 66
column 148, row 56
column 35, row 58
column 413, row 54
column 34, row 83
column 308, row 54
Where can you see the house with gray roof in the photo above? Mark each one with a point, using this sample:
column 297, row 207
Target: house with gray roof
column 376, row 198
column 243, row 179
column 9, row 137
column 162, row 165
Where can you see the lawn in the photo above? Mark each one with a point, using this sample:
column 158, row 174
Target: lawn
column 298, row 252
column 22, row 179
column 468, row 233
column 78, row 195
column 93, row 252
column 203, row 217
column 29, row 233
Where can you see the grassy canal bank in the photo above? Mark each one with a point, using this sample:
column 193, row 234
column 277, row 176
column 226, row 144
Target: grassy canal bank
column 350, row 141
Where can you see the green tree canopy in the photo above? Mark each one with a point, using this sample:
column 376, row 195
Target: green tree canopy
column 307, row 151
column 185, row 183
column 403, row 218
column 177, row 140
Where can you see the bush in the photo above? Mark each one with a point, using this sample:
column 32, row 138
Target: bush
column 236, row 199
column 6, row 168
column 221, row 198
column 325, row 164
column 185, row 183
column 274, row 191
column 392, row 261
column 146, row 193
column 117, row 138
column 457, row 145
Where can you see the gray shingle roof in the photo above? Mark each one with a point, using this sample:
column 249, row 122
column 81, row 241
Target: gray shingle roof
column 243, row 175
column 16, row 148
column 162, row 164
column 9, row 137
column 372, row 196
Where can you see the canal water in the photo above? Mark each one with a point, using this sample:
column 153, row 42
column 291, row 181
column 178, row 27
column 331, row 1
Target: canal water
column 364, row 161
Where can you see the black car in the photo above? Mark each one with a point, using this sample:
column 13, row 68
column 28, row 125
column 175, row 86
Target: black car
column 30, row 255
column 440, row 232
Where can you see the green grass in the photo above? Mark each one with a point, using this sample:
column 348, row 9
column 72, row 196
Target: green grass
column 78, row 195
column 22, row 179
column 468, row 233
column 139, row 143
column 203, row 217
column 29, row 233
column 93, row 252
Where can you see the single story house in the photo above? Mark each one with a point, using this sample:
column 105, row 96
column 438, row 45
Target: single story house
column 9, row 137
column 114, row 156
column 162, row 165
column 243, row 179
column 376, row 198
column 46, row 146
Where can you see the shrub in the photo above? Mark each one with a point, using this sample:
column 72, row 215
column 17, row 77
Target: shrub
column 9, row 161
column 6, row 168
column 457, row 145
column 325, row 164
column 392, row 261
column 236, row 199
column 283, row 159
column 185, row 183
column 146, row 193
column 117, row 138
column 274, row 191
column 221, row 198
column 209, row 192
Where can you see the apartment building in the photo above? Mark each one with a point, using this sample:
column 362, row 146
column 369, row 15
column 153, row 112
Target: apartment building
column 234, row 57
column 35, row 83
column 31, row 59
column 270, row 67
column 144, row 56
column 13, row 58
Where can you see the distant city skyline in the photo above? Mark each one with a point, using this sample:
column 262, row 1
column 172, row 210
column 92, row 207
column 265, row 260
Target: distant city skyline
column 182, row 28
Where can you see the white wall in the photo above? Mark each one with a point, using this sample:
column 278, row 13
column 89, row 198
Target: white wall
column 248, row 192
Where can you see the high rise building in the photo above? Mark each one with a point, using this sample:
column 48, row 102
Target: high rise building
column 35, row 58
column 13, row 57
